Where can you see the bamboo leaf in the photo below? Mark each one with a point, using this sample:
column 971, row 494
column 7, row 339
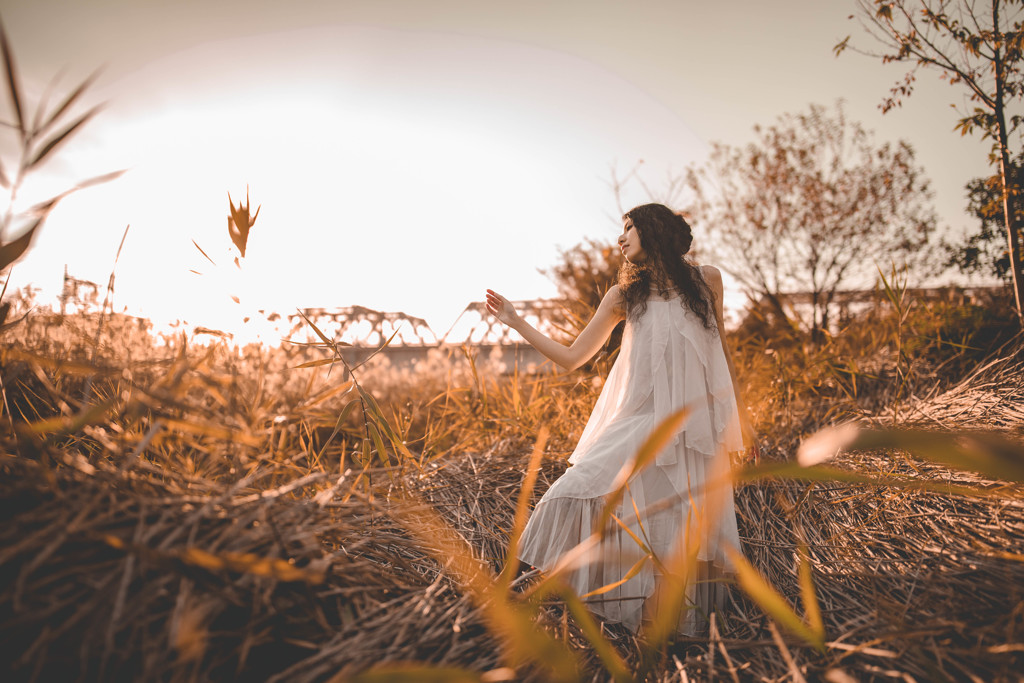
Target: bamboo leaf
column 316, row 329
column 342, row 416
column 343, row 388
column 378, row 350
column 318, row 345
column 375, row 412
column 671, row 596
column 636, row 539
column 793, row 470
column 243, row 563
column 379, row 419
column 988, row 453
column 100, row 179
column 399, row 444
column 378, row 443
column 349, row 407
column 45, row 206
column 581, row 554
column 889, row 293
column 315, row 363
column 63, row 366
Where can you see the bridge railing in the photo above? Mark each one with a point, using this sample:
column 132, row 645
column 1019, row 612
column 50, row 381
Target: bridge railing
column 363, row 330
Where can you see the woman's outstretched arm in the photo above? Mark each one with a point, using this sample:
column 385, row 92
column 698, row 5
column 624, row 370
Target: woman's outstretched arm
column 583, row 348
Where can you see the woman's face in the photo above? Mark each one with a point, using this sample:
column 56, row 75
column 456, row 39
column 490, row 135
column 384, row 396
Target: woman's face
column 629, row 243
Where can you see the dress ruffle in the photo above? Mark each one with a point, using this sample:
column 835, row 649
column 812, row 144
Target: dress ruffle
column 668, row 360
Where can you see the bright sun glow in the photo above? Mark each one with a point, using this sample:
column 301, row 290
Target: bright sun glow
column 411, row 183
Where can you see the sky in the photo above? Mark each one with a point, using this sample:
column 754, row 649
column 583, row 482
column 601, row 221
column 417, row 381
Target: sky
column 408, row 154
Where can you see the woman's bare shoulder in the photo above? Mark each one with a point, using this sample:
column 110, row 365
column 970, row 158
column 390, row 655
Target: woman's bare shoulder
column 711, row 273
column 713, row 276
column 613, row 297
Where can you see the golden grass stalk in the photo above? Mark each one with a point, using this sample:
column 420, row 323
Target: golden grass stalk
column 514, row 625
column 914, row 564
column 34, row 149
column 243, row 563
column 986, row 452
column 654, row 444
column 519, row 520
column 418, row 673
column 775, row 605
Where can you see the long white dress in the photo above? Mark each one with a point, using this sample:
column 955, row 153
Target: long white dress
column 667, row 360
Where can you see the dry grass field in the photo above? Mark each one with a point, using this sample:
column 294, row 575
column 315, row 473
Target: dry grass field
column 182, row 511
column 174, row 511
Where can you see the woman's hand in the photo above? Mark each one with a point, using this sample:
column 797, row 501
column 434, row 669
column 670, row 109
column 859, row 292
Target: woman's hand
column 750, row 440
column 502, row 309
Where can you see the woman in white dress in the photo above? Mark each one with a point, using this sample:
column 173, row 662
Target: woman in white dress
column 673, row 355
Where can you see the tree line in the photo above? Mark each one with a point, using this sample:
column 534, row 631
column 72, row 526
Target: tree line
column 813, row 204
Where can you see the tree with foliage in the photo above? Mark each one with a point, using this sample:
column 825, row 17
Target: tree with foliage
column 812, row 205
column 985, row 250
column 976, row 44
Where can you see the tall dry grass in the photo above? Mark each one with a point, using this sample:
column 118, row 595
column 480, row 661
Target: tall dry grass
column 189, row 511
column 217, row 501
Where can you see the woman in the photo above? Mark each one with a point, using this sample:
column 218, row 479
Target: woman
column 673, row 355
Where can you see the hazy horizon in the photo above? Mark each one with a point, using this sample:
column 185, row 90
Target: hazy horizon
column 408, row 157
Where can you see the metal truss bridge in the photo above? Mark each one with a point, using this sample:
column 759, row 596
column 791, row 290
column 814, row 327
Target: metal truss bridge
column 364, row 330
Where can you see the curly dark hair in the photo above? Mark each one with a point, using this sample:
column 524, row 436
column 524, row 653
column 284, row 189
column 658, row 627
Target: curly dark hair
column 665, row 237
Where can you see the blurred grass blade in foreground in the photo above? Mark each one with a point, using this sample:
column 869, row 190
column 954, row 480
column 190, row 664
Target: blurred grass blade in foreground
column 522, row 508
column 511, row 623
column 989, row 453
column 425, row 673
column 12, row 251
column 774, row 604
column 655, row 443
column 33, row 150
